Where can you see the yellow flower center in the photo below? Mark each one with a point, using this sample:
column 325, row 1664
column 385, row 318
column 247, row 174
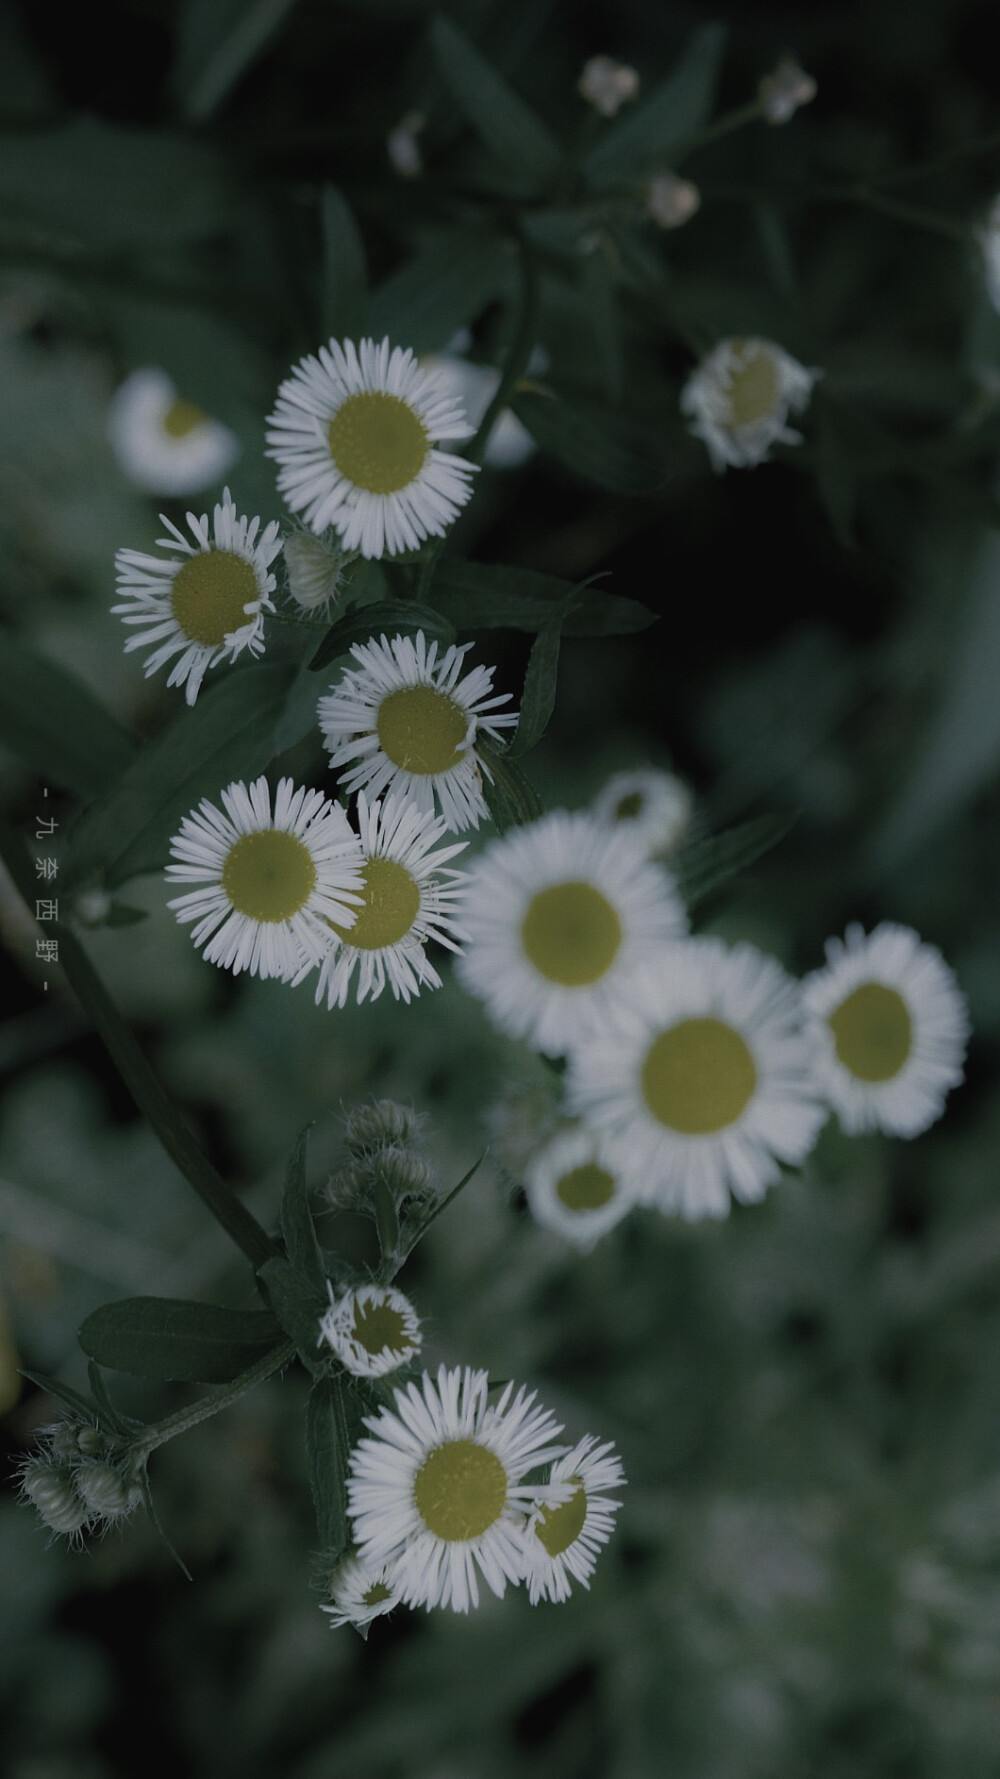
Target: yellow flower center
column 421, row 729
column 269, row 875
column 559, row 1527
column 378, row 442
column 376, row 1594
column 873, row 1032
column 181, row 418
column 390, row 907
column 753, row 387
column 586, row 1188
column 571, row 934
column 460, row 1490
column 629, row 807
column 210, row 594
column 698, row 1076
column 380, row 1328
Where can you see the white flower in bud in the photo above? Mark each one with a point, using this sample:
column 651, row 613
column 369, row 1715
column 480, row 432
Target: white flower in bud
column 50, row 1490
column 671, row 201
column 314, row 566
column 402, row 147
column 379, row 1122
column 607, row 84
column 784, row 92
column 105, row 1491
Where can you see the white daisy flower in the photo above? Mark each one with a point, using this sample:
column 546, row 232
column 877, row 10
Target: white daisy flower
column 561, row 914
column 164, row 443
column 409, row 721
column 708, row 1078
column 565, row 1541
column 580, row 1185
column 785, row 91
column 372, row 1330
column 409, row 895
column 315, row 568
column 205, row 602
column 654, row 806
column 436, row 1492
column 989, row 242
column 891, row 1026
column 355, row 433
column 271, row 883
column 740, row 397
column 359, row 1594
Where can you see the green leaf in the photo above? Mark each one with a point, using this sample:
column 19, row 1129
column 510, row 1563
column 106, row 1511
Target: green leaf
column 296, row 1218
column 601, row 447
column 836, row 474
column 327, row 1456
column 169, row 1339
column 107, row 188
column 601, row 306
column 298, row 1304
column 510, row 797
column 218, row 41
column 539, row 695
column 444, row 286
column 345, row 272
column 386, row 1218
column 644, row 139
column 54, row 726
column 487, row 596
column 502, row 121
column 704, row 866
column 229, row 734
column 421, row 1229
column 391, row 617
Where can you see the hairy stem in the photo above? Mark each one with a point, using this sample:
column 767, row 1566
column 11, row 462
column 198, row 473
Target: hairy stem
column 172, row 1425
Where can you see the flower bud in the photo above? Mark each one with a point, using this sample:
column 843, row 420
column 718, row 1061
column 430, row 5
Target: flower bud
column 785, row 91
column 379, row 1123
column 607, row 84
column 671, row 201
column 105, row 1491
column 51, row 1492
column 314, row 566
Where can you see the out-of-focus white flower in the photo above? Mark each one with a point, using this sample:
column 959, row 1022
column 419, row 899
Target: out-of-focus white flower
column 163, row 442
column 607, row 84
column 740, row 397
column 580, row 1185
column 784, row 91
column 670, row 200
column 653, row 806
column 891, row 1026
column 355, row 433
column 402, row 146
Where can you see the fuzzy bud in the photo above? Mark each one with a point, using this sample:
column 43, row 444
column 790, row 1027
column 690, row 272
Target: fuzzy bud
column 379, row 1123
column 671, row 201
column 51, row 1492
column 105, row 1491
column 607, row 84
column 314, row 566
column 785, row 91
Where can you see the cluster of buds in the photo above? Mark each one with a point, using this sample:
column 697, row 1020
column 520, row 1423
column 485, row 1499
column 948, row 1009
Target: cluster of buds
column 76, row 1482
column 384, row 1145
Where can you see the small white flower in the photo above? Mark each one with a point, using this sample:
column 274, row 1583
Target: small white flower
column 580, row 1185
column 654, row 806
column 560, row 915
column 163, row 443
column 410, row 722
column 740, row 397
column 402, row 145
column 784, row 92
column 436, row 1490
column 359, row 1594
column 355, row 433
column 708, row 1079
column 565, row 1541
column 474, row 385
column 271, row 885
column 315, row 567
column 205, row 602
column 607, row 84
column 671, row 201
column 372, row 1330
column 989, row 241
column 409, row 896
column 891, row 1026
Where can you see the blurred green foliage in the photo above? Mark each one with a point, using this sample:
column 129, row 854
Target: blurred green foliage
column 806, row 1576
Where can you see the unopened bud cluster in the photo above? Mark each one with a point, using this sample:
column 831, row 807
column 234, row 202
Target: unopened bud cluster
column 383, row 1142
column 75, row 1483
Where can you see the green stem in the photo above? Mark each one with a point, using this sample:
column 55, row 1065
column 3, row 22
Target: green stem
column 940, row 163
column 723, row 126
column 172, row 1425
column 149, row 1095
column 521, row 347
column 913, row 214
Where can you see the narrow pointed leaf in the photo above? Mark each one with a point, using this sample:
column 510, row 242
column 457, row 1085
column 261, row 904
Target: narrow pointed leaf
column 298, row 1304
column 296, row 1218
column 170, row 1339
column 218, row 42
column 510, row 797
column 600, row 447
column 327, row 1457
column 676, row 110
column 508, row 127
column 63, row 1392
column 445, row 285
column 539, row 696
column 386, row 1219
column 704, row 866
column 485, row 596
column 345, row 272
column 154, row 1520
